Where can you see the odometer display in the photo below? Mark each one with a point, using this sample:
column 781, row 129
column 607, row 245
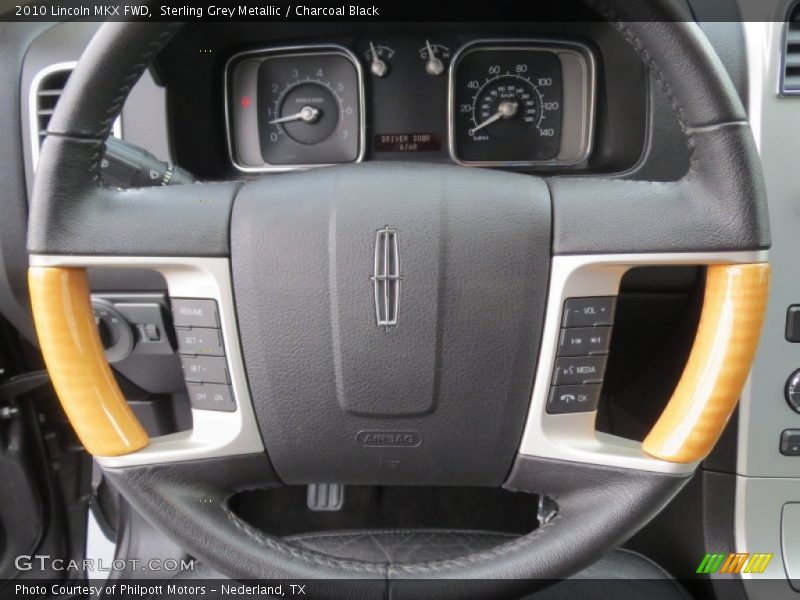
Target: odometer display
column 507, row 105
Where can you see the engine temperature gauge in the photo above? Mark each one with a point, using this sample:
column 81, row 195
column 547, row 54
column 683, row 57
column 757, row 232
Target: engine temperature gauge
column 435, row 57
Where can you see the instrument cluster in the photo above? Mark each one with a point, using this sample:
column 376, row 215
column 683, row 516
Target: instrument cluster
column 497, row 102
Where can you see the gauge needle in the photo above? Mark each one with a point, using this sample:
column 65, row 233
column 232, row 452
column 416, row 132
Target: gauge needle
column 379, row 68
column 505, row 110
column 434, row 66
column 307, row 114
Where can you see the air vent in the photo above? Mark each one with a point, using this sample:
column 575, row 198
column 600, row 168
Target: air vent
column 50, row 88
column 46, row 89
column 45, row 92
column 790, row 83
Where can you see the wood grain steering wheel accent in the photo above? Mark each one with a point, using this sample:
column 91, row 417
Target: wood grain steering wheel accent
column 78, row 368
column 727, row 336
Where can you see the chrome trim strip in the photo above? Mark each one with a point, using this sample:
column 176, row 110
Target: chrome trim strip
column 541, row 44
column 572, row 437
column 213, row 433
column 305, row 49
column 33, row 116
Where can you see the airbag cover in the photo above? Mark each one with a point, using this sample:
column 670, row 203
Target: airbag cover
column 439, row 398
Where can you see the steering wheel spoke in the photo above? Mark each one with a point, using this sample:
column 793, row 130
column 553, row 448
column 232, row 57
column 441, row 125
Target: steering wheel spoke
column 735, row 299
column 60, row 298
column 77, row 215
column 718, row 206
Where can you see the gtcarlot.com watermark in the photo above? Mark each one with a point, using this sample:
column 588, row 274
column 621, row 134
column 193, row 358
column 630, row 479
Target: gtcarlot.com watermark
column 44, row 562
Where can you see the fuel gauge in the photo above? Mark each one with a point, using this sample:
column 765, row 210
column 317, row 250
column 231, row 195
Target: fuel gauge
column 379, row 57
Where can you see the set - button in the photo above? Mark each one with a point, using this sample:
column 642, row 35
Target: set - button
column 202, row 352
column 583, row 346
column 205, row 369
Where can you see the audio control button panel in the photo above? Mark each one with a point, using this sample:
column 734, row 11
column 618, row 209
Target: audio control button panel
column 582, row 354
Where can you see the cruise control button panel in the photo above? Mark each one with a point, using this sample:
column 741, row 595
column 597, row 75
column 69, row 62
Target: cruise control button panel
column 202, row 351
column 583, row 346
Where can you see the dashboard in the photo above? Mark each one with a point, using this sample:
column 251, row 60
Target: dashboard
column 508, row 103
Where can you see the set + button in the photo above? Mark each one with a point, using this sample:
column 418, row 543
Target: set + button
column 200, row 341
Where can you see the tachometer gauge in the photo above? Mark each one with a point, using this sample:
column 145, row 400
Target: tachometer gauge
column 308, row 111
column 296, row 107
column 521, row 104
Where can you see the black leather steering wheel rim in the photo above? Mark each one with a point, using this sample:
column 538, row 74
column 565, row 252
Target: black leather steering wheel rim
column 718, row 204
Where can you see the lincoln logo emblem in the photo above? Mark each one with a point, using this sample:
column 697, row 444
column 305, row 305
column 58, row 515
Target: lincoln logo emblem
column 386, row 277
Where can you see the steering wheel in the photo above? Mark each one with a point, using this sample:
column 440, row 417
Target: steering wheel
column 470, row 274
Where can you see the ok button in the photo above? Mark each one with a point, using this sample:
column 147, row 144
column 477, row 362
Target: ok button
column 582, row 369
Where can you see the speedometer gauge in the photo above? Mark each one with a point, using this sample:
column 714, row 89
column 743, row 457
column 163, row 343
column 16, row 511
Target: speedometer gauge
column 295, row 108
column 521, row 104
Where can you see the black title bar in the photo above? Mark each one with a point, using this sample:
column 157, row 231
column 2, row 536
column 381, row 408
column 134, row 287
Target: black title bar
column 377, row 10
